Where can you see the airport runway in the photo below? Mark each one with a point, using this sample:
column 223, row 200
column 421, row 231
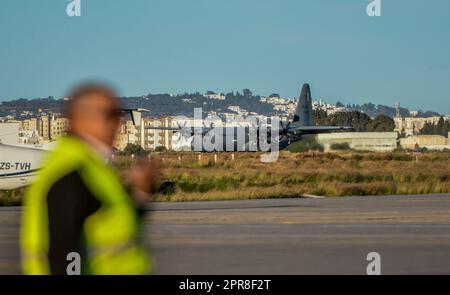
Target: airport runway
column 286, row 236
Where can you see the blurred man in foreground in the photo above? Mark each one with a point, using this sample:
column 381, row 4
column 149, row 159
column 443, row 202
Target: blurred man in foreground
column 79, row 205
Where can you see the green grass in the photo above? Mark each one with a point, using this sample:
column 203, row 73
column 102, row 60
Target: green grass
column 295, row 174
column 11, row 198
column 347, row 173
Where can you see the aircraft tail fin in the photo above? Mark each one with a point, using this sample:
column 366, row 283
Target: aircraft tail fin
column 303, row 113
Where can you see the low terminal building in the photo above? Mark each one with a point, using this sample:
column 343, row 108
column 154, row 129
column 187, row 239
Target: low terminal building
column 430, row 142
column 363, row 141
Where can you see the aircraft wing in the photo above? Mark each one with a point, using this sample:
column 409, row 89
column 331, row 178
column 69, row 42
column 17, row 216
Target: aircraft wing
column 298, row 129
column 175, row 129
column 185, row 130
column 318, row 129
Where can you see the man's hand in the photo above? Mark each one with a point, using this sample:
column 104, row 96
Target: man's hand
column 144, row 178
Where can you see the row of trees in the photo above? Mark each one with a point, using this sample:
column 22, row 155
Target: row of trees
column 137, row 150
column 184, row 104
column 359, row 121
column 441, row 128
column 375, row 110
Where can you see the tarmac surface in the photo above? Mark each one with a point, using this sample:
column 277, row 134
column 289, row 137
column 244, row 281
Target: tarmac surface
column 286, row 236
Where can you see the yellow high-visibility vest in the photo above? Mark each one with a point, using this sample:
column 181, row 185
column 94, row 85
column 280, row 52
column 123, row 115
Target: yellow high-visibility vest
column 111, row 234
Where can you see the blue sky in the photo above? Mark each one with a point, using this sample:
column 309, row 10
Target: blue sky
column 173, row 46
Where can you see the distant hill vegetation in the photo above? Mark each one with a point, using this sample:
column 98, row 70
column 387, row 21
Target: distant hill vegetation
column 158, row 104
column 375, row 110
column 184, row 104
column 22, row 104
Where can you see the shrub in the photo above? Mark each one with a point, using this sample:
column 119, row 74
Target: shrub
column 133, row 149
column 344, row 146
column 306, row 144
column 160, row 148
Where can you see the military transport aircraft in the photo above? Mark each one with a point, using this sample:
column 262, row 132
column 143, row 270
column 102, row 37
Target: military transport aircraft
column 288, row 132
column 19, row 164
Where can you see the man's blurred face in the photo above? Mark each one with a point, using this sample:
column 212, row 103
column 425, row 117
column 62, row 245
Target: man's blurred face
column 96, row 115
